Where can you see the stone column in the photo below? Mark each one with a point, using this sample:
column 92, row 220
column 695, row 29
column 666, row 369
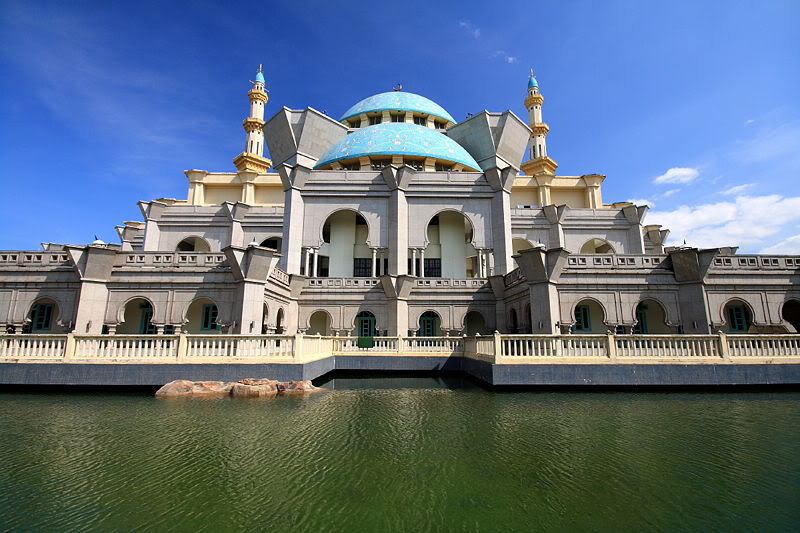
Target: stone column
column 315, row 263
column 294, row 212
column 413, row 261
column 307, row 261
column 374, row 262
column 422, row 263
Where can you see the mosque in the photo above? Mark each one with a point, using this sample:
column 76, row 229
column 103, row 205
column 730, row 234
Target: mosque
column 395, row 220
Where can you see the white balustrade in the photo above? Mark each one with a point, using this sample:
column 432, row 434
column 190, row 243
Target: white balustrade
column 446, row 345
column 668, row 345
column 495, row 348
column 252, row 346
column 126, row 346
column 763, row 345
column 32, row 346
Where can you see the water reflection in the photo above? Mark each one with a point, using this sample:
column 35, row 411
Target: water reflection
column 386, row 454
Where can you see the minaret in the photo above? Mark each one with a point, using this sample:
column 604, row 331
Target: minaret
column 252, row 158
column 539, row 162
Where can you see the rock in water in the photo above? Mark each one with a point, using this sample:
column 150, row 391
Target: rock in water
column 184, row 387
column 255, row 387
column 297, row 386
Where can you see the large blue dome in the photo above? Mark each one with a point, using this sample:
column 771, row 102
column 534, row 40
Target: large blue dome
column 398, row 138
column 400, row 101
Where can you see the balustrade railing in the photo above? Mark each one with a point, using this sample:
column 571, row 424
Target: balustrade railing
column 497, row 348
column 227, row 346
column 668, row 346
column 126, row 347
column 32, row 346
column 763, row 345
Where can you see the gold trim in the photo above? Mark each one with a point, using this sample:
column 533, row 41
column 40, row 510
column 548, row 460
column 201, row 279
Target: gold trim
column 249, row 161
column 534, row 99
column 540, row 165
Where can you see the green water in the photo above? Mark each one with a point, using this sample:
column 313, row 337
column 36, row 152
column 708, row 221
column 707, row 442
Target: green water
column 425, row 457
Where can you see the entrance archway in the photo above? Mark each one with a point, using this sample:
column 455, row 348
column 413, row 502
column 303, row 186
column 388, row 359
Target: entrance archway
column 449, row 252
column 201, row 317
column 137, row 318
column 513, row 321
column 791, row 314
column 589, row 317
column 650, row 319
column 365, row 325
column 319, row 323
column 430, row 325
column 344, row 252
column 272, row 242
column 279, row 322
column 474, row 324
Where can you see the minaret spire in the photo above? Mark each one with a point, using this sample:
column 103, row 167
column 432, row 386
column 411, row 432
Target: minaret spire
column 252, row 158
column 539, row 162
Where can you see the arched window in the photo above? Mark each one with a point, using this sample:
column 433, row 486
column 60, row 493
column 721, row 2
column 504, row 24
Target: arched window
column 430, row 325
column 737, row 317
column 193, row 244
column 597, row 246
column 42, row 316
column 272, row 242
column 513, row 322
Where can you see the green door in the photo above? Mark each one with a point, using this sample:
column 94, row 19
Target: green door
column 365, row 325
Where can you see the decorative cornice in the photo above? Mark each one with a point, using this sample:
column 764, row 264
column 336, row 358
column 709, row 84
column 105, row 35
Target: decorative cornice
column 257, row 94
column 248, row 161
column 252, row 124
column 540, row 128
column 534, row 99
column 540, row 165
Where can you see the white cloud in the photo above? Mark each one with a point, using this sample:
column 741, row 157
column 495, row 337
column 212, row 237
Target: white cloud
column 747, row 221
column 677, row 175
column 470, row 28
column 641, row 201
column 736, row 189
column 790, row 245
column 504, row 56
column 667, row 194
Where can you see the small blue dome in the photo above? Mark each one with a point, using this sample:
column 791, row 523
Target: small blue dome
column 398, row 100
column 398, row 138
column 532, row 82
column 260, row 77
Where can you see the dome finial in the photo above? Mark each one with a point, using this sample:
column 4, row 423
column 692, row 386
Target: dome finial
column 398, row 87
column 260, row 73
column 532, row 80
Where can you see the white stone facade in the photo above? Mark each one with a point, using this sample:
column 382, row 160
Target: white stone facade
column 404, row 245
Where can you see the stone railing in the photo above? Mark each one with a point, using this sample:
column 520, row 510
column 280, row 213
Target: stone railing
column 451, row 283
column 342, row 283
column 34, row 258
column 616, row 262
column 279, row 275
column 126, row 346
column 756, row 262
column 169, row 259
column 497, row 348
column 32, row 346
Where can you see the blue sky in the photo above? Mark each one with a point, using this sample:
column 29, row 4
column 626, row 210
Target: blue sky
column 689, row 106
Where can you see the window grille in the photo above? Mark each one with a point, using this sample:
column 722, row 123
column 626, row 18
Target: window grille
column 210, row 313
column 583, row 321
